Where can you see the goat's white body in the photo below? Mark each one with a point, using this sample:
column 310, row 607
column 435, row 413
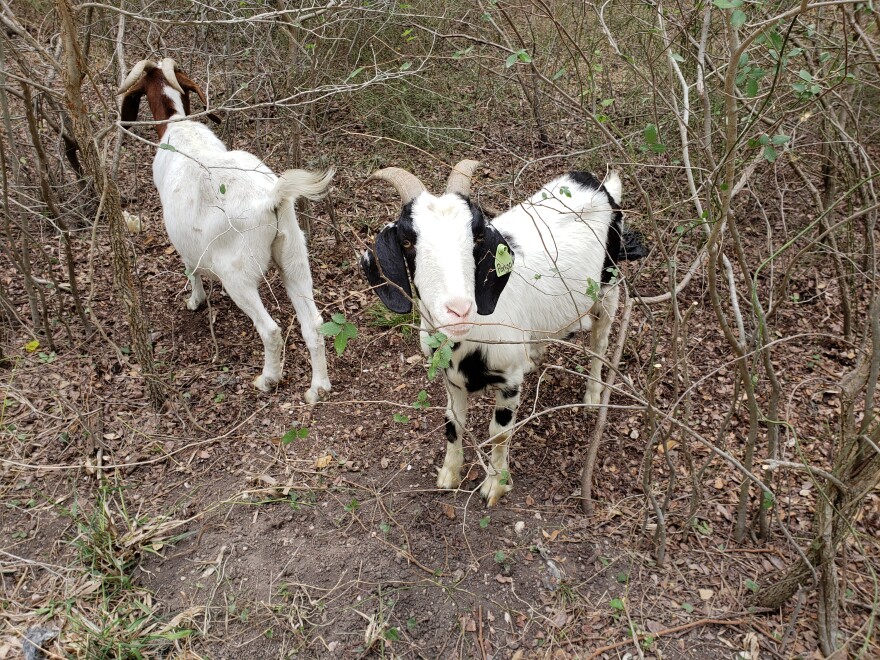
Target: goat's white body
column 559, row 239
column 230, row 217
column 235, row 227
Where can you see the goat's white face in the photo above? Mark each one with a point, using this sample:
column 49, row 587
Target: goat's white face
column 444, row 273
column 448, row 249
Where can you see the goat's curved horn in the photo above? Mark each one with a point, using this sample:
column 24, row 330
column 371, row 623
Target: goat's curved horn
column 135, row 74
column 169, row 66
column 407, row 184
column 460, row 178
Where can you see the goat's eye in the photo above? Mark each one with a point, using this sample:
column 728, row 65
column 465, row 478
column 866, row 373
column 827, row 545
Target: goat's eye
column 406, row 245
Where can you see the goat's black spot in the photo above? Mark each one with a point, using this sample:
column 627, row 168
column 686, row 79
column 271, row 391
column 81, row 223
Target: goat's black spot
column 586, row 179
column 451, row 433
column 503, row 416
column 509, row 392
column 612, row 242
column 477, row 375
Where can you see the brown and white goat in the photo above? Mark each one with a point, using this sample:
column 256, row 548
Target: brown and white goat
column 229, row 216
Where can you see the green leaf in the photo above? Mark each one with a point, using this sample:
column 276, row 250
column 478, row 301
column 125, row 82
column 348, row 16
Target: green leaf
column 727, row 4
column 349, row 331
column 623, row 578
column 752, row 88
column 677, row 57
column 222, row 188
column 400, row 418
column 405, row 66
column 167, row 147
column 340, row 341
column 354, row 505
column 300, row 433
column 650, row 134
column 737, row 18
column 392, row 634
column 484, row 522
column 752, row 586
column 606, row 102
column 503, row 260
column 565, row 190
column 559, row 74
column 500, row 557
column 616, row 604
column 384, row 527
column 338, row 318
column 219, row 398
column 330, row 329
column 32, row 345
column 687, row 607
column 510, row 61
column 770, row 154
column 805, row 75
column 354, row 73
column 780, row 139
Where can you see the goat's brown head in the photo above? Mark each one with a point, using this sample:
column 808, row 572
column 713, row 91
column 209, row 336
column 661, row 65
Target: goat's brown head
column 156, row 81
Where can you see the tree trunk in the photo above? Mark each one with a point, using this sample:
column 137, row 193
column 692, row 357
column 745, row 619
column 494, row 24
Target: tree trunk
column 127, row 286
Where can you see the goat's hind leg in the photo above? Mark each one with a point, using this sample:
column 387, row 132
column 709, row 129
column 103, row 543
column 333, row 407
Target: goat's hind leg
column 198, row 297
column 246, row 295
column 604, row 309
column 498, row 481
column 289, row 253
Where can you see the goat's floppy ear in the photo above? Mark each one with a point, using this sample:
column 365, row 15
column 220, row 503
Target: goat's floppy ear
column 189, row 85
column 488, row 285
column 131, row 103
column 386, row 271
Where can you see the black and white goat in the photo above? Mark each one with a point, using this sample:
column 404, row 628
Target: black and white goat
column 229, row 216
column 564, row 241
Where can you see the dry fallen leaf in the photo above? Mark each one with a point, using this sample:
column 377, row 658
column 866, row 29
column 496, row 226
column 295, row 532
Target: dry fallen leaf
column 323, row 461
column 668, row 446
column 169, row 249
column 706, row 594
column 504, row 579
column 552, row 535
column 449, row 511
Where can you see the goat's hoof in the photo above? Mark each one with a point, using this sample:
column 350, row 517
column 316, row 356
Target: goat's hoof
column 264, row 384
column 592, row 400
column 193, row 305
column 493, row 490
column 448, row 479
column 315, row 394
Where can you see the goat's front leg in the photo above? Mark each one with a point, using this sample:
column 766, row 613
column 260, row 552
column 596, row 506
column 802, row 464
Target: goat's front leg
column 456, row 418
column 247, row 296
column 198, row 297
column 604, row 309
column 498, row 481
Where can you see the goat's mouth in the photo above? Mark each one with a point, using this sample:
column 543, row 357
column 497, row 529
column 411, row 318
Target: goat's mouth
column 457, row 331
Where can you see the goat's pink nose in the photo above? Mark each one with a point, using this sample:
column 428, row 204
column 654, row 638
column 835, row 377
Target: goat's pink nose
column 459, row 307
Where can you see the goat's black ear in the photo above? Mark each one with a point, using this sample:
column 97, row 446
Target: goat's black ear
column 487, row 284
column 385, row 268
column 131, row 104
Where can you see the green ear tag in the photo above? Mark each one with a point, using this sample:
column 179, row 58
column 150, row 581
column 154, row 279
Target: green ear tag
column 503, row 261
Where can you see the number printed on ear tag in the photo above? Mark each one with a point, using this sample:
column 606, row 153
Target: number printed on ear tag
column 503, row 261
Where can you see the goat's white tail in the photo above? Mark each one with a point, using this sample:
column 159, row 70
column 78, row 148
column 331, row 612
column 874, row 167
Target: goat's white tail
column 302, row 183
column 613, row 185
